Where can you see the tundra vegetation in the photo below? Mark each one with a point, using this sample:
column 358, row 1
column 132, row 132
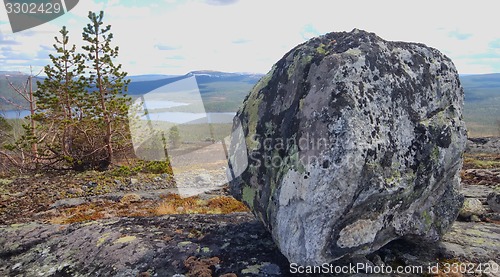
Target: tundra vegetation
column 75, row 142
column 78, row 113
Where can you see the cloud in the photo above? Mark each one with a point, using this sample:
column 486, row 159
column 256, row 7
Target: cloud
column 240, row 41
column 480, row 63
column 220, row 2
column 251, row 35
column 166, row 47
column 309, row 31
column 176, row 57
column 44, row 54
column 459, row 36
column 495, row 44
column 47, row 47
column 8, row 42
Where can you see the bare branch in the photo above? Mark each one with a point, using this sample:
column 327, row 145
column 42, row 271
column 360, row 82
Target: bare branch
column 12, row 103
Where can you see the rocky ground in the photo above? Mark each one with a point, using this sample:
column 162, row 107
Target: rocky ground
column 58, row 197
column 131, row 238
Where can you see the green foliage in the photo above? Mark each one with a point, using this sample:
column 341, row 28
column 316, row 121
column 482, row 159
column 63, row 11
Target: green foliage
column 5, row 128
column 157, row 167
column 81, row 110
column 321, row 49
column 106, row 82
column 141, row 166
column 62, row 113
column 124, row 171
column 483, row 161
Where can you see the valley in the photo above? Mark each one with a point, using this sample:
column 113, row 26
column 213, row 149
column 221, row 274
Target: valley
column 224, row 92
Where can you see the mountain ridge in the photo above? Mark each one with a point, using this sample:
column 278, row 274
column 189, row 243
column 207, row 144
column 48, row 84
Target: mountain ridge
column 225, row 91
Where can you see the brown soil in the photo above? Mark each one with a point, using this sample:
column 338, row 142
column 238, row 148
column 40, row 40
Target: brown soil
column 29, row 197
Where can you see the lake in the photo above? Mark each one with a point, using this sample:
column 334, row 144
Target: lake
column 174, row 117
column 15, row 114
column 191, row 118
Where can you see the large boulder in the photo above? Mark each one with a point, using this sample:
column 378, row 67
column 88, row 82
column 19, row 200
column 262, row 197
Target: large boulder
column 351, row 142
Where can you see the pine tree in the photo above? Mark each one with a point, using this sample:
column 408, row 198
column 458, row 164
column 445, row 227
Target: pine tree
column 80, row 117
column 107, row 83
column 60, row 98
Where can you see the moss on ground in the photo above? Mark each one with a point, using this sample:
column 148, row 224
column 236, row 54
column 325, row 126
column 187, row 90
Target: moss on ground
column 481, row 161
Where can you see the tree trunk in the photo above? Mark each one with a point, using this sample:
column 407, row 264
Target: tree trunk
column 34, row 145
column 102, row 94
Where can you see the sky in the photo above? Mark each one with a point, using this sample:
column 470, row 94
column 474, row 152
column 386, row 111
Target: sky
column 179, row 36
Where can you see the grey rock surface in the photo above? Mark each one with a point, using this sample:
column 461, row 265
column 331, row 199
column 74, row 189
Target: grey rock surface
column 131, row 246
column 352, row 142
column 158, row 246
column 483, row 145
column 204, row 179
column 476, row 191
column 472, row 206
column 473, row 241
column 494, row 201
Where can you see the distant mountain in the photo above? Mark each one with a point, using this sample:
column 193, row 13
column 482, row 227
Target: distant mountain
column 149, row 77
column 140, row 86
column 481, row 87
column 221, row 91
column 19, row 80
column 208, row 76
column 3, row 73
column 224, row 92
column 482, row 104
column 480, row 80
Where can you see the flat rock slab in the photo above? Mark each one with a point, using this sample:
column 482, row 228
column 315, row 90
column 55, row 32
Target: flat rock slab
column 483, row 145
column 129, row 246
column 160, row 245
column 476, row 191
column 473, row 241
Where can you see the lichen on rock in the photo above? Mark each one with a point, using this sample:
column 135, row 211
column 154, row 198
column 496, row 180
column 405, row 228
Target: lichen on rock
column 353, row 141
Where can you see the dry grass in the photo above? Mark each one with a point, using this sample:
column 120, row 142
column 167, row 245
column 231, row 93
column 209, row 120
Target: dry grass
column 480, row 129
column 201, row 267
column 481, row 161
column 104, row 209
column 226, row 205
column 174, row 204
column 79, row 214
column 131, row 206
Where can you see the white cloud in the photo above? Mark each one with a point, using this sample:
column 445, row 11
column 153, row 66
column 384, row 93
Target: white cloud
column 204, row 35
